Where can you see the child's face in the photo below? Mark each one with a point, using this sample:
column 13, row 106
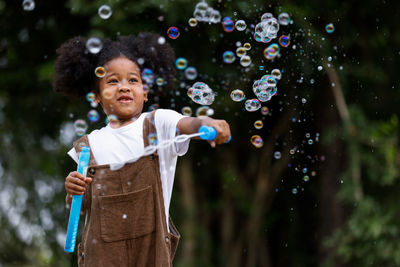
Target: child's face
column 121, row 89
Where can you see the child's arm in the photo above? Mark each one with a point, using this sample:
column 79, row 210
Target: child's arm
column 75, row 184
column 190, row 125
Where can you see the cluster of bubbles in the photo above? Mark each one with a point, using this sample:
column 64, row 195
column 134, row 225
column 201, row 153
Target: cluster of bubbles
column 190, row 73
column 205, row 13
column 105, row 12
column 28, row 5
column 201, row 93
column 330, row 28
column 173, row 32
column 202, row 111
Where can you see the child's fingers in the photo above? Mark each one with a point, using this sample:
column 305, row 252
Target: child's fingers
column 74, row 189
column 88, row 180
column 76, row 178
column 212, row 143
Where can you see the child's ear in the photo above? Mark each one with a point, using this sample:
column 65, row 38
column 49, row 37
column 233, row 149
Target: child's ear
column 145, row 96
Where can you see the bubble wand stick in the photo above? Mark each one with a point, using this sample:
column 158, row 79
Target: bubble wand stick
column 76, row 205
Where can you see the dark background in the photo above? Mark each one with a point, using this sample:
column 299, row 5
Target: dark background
column 234, row 204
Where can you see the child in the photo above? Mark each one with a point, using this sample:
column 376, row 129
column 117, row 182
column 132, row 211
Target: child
column 127, row 210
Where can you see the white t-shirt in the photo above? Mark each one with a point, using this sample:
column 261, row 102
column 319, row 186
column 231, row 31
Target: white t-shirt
column 110, row 146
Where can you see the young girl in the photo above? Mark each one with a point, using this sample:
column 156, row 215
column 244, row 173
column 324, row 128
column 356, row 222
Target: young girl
column 127, row 210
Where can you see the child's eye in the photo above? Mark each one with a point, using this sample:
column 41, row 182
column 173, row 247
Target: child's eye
column 112, row 81
column 133, row 80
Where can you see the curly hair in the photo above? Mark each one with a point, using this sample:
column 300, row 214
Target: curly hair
column 74, row 68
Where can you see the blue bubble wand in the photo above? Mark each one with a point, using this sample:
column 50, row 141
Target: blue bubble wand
column 76, row 205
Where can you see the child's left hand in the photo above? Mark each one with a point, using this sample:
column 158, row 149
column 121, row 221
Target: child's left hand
column 222, row 128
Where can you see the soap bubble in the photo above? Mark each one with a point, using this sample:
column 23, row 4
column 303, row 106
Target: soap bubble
column 276, row 73
column 330, row 28
column 201, row 93
column 181, row 63
column 107, row 94
column 266, row 16
column 310, row 141
column 173, row 32
column 264, row 111
column 105, row 11
column 148, row 76
column 100, row 72
column 257, row 141
column 247, row 46
column 319, row 68
column 94, row 45
column 159, row 81
column 245, row 61
column 152, row 138
column 124, row 216
column 284, row 41
column 80, row 127
column 240, row 25
column 202, row 111
column 240, row 51
column 271, row 51
column 228, row 24
column 252, row 105
column 191, row 73
column 284, row 19
column 228, row 57
column 258, row 124
column 237, row 95
column 304, row 170
column 153, row 107
column 215, row 16
column 277, row 155
column 294, row 191
column 161, row 40
column 187, row 111
column 90, row 97
column 306, row 178
column 28, row 5
column 193, row 22
column 93, row 115
column 303, row 100
column 113, row 121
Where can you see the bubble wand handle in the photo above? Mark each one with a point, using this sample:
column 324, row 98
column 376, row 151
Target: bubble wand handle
column 76, row 205
column 209, row 133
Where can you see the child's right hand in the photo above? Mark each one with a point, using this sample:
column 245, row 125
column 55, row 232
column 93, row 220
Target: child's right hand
column 75, row 183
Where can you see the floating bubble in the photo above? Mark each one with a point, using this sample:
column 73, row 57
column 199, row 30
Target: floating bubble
column 258, row 124
column 191, row 73
column 276, row 73
column 277, row 155
column 294, row 191
column 202, row 111
column 192, row 22
column 237, row 95
column 330, row 28
column 152, row 138
column 80, row 127
column 181, row 63
column 228, row 24
column 240, row 51
column 93, row 104
column 303, row 100
column 306, row 178
column 201, row 93
column 28, row 5
column 304, row 170
column 319, row 68
column 266, row 16
column 310, row 141
column 292, row 151
column 264, row 111
column 124, row 216
column 100, row 72
column 94, row 45
column 107, row 94
column 187, row 111
column 252, row 105
column 247, row 46
column 257, row 141
column 161, row 40
column 261, row 67
column 93, row 115
column 90, row 97
column 159, row 81
column 105, row 12
column 271, row 51
column 240, row 25
column 284, row 40
column 215, row 16
column 228, row 57
column 284, row 19
column 173, row 32
column 148, row 76
column 153, row 107
column 113, row 121
column 245, row 61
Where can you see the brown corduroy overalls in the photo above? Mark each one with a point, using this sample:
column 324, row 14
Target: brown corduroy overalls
column 126, row 224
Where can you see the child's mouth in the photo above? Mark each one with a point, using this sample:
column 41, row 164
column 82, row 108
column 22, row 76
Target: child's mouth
column 125, row 99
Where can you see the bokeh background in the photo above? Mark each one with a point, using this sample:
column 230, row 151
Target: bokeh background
column 234, row 205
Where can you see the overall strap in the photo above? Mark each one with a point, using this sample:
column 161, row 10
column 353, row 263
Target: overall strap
column 149, row 127
column 81, row 142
